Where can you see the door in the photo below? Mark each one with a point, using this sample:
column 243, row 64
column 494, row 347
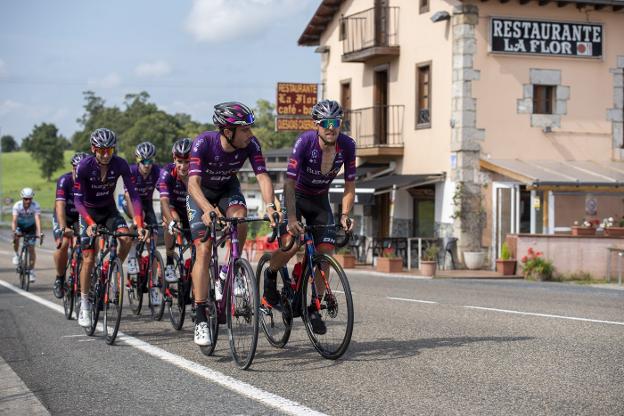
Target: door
column 382, row 215
column 380, row 107
column 506, row 213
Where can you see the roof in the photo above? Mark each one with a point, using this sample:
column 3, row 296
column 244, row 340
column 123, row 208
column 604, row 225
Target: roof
column 389, row 182
column 559, row 173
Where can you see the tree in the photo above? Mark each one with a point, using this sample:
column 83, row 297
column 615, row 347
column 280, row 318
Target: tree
column 46, row 147
column 264, row 128
column 8, row 144
column 159, row 128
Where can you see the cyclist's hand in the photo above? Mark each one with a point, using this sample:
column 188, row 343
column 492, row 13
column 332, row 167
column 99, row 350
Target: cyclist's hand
column 172, row 227
column 269, row 212
column 91, row 230
column 206, row 217
column 143, row 233
column 68, row 232
column 294, row 227
column 346, row 222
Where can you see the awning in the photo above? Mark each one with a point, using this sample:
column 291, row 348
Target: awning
column 553, row 173
column 366, row 189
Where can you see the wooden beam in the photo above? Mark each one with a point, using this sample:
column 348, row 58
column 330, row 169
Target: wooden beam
column 562, row 3
column 617, row 8
column 543, row 2
column 503, row 1
column 599, row 6
column 524, row 1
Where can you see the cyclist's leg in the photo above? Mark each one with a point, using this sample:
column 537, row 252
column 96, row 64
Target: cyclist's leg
column 116, row 222
column 149, row 217
column 88, row 262
column 232, row 203
column 324, row 238
column 16, row 240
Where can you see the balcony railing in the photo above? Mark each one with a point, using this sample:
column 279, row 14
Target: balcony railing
column 370, row 33
column 377, row 126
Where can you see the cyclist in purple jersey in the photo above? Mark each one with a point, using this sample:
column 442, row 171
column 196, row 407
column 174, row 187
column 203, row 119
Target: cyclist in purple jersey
column 216, row 157
column 64, row 221
column 317, row 157
column 96, row 178
column 172, row 186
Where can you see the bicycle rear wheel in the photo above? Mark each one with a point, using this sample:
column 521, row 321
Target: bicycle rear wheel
column 174, row 295
column 335, row 307
column 76, row 288
column 68, row 288
column 113, row 301
column 242, row 312
column 157, row 280
column 135, row 288
column 276, row 322
column 95, row 296
column 25, row 269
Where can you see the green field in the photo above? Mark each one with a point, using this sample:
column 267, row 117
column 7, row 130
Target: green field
column 19, row 170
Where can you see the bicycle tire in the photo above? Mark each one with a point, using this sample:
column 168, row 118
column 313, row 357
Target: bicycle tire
column 68, row 288
column 25, row 269
column 137, row 288
column 213, row 328
column 336, row 309
column 174, row 295
column 242, row 315
column 77, row 294
column 94, row 298
column 276, row 323
column 157, row 310
column 113, row 300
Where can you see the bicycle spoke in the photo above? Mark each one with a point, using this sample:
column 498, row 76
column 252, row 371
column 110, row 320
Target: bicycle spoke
column 113, row 301
column 276, row 322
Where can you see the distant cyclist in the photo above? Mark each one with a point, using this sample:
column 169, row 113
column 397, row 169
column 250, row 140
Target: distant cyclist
column 65, row 221
column 172, row 186
column 96, row 179
column 26, row 222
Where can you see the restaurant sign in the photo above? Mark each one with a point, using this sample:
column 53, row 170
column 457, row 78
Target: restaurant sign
column 295, row 99
column 540, row 37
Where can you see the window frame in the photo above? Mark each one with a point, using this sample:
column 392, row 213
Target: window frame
column 547, row 99
column 423, row 6
column 419, row 66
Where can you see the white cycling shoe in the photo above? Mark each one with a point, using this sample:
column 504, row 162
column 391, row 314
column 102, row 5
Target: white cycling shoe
column 202, row 335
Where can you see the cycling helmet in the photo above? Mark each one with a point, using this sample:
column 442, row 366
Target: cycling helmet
column 27, row 193
column 77, row 158
column 103, row 138
column 182, row 148
column 145, row 150
column 326, row 109
column 232, row 114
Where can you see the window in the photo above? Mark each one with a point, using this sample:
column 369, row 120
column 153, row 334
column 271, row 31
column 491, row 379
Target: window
column 543, row 97
column 424, row 6
column 282, row 159
column 423, row 95
column 342, row 31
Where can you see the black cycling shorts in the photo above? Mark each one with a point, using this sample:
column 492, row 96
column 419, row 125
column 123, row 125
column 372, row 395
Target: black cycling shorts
column 106, row 216
column 316, row 210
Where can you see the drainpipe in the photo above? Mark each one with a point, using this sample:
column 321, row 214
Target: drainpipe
column 392, row 205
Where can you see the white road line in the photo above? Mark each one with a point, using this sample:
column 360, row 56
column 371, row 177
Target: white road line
column 244, row 389
column 546, row 315
column 412, row 300
column 73, row 336
column 86, row 340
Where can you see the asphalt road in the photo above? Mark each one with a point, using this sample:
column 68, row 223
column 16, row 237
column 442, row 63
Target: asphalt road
column 419, row 347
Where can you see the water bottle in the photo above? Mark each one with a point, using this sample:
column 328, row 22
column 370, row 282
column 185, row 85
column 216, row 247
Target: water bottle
column 220, row 283
column 296, row 274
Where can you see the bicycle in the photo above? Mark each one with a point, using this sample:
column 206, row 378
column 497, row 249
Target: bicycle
column 239, row 305
column 299, row 295
column 177, row 295
column 71, row 286
column 23, row 268
column 151, row 265
column 107, row 279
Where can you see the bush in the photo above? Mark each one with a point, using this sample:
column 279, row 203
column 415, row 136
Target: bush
column 431, row 253
column 536, row 267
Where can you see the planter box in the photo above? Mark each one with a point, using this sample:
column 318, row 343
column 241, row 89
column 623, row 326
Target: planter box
column 614, row 231
column 577, row 230
column 428, row 268
column 506, row 267
column 389, row 264
column 347, row 261
column 474, row 259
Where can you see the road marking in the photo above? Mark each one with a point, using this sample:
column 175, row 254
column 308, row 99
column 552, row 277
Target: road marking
column 73, row 336
column 86, row 340
column 412, row 300
column 546, row 315
column 244, row 389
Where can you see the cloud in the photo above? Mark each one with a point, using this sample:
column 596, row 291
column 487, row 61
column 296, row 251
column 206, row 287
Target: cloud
column 4, row 72
column 7, row 106
column 111, row 80
column 153, row 69
column 218, row 20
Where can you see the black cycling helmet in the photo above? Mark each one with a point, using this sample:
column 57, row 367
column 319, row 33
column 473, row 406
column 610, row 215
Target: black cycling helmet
column 182, row 148
column 78, row 157
column 232, row 114
column 326, row 109
column 103, row 138
column 145, row 150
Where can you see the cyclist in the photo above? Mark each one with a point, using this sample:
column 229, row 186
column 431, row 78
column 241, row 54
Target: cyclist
column 172, row 186
column 317, row 157
column 145, row 174
column 26, row 221
column 216, row 157
column 96, row 179
column 64, row 221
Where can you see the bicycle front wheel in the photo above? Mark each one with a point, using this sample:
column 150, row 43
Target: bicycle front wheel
column 68, row 288
column 96, row 294
column 242, row 313
column 331, row 299
column 25, row 269
column 113, row 301
column 175, row 294
column 157, row 286
column 276, row 321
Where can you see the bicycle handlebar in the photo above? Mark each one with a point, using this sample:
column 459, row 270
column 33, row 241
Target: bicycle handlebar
column 306, row 228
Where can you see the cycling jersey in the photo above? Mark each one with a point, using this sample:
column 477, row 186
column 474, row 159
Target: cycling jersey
column 144, row 186
column 26, row 217
column 305, row 161
column 172, row 188
column 90, row 192
column 216, row 166
column 65, row 193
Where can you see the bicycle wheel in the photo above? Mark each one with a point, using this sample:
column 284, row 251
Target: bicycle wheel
column 25, row 269
column 76, row 288
column 213, row 328
column 113, row 300
column 68, row 288
column 157, row 277
column 135, row 287
column 95, row 295
column 335, row 307
column 175, row 294
column 242, row 313
column 276, row 322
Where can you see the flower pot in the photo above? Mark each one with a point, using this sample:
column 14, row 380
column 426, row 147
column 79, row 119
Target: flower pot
column 578, row 230
column 506, row 267
column 389, row 264
column 614, row 231
column 474, row 259
column 428, row 268
column 347, row 261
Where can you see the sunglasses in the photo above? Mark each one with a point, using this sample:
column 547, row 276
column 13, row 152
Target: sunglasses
column 146, row 161
column 27, row 199
column 329, row 123
column 104, row 151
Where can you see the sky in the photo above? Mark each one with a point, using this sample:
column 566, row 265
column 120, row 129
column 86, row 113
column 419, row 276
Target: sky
column 187, row 54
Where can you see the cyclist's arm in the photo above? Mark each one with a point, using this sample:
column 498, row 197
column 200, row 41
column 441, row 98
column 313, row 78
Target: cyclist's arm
column 134, row 196
column 266, row 188
column 129, row 204
column 166, row 210
column 348, row 197
column 38, row 223
column 289, row 199
column 80, row 186
column 194, row 190
column 14, row 223
column 59, row 206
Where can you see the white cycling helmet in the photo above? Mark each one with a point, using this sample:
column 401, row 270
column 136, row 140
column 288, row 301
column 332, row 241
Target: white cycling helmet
column 27, row 193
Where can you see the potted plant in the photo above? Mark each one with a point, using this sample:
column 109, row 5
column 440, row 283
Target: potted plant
column 611, row 229
column 389, row 262
column 505, row 264
column 429, row 260
column 536, row 267
column 345, row 258
column 474, row 259
column 585, row 227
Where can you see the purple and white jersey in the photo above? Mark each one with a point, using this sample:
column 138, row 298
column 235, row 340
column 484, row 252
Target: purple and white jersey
column 215, row 165
column 172, row 188
column 65, row 193
column 90, row 191
column 305, row 161
column 144, row 186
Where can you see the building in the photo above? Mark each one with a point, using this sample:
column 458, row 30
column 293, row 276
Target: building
column 478, row 118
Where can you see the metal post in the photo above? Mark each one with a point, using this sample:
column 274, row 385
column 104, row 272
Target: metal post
column 620, row 268
column 419, row 251
column 409, row 254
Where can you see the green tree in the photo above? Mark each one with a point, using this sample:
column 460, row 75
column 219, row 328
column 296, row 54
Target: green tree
column 159, row 128
column 97, row 115
column 264, row 128
column 46, row 147
column 8, row 144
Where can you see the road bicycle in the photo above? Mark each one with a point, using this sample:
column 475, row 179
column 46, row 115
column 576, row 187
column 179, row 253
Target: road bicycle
column 71, row 285
column 178, row 294
column 23, row 268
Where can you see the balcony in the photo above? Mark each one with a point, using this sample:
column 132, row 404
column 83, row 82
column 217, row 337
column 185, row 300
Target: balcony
column 377, row 130
column 372, row 33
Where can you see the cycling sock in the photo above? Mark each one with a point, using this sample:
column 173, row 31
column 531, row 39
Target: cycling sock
column 169, row 260
column 200, row 313
column 84, row 302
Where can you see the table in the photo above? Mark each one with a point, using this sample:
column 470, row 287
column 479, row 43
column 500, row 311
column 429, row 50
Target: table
column 620, row 254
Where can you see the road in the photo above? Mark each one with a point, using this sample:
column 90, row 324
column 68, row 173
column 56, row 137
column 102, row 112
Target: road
column 419, row 347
